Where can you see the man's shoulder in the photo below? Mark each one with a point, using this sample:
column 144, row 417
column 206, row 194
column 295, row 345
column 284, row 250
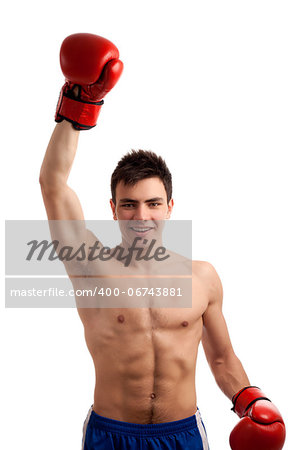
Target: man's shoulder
column 204, row 269
column 206, row 272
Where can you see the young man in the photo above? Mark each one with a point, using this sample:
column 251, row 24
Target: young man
column 145, row 358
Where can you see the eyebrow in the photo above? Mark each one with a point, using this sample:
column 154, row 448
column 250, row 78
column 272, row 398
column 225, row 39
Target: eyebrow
column 129, row 200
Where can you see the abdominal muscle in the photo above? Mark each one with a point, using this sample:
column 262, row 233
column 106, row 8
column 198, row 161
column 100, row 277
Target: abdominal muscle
column 145, row 362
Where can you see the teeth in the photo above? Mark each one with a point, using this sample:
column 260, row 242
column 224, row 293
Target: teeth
column 141, row 229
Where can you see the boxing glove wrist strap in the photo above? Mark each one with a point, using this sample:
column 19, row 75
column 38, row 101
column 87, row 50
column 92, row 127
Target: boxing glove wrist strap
column 245, row 398
column 83, row 114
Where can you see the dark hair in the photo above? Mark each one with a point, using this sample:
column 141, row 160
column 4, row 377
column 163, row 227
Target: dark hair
column 138, row 165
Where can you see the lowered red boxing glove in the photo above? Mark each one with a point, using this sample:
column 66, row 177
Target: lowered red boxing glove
column 261, row 426
column 91, row 67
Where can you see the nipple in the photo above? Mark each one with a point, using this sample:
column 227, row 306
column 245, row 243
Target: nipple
column 185, row 323
column 120, row 318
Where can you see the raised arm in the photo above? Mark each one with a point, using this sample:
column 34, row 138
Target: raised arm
column 91, row 66
column 60, row 200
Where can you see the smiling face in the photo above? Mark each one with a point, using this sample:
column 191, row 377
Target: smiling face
column 141, row 208
column 146, row 200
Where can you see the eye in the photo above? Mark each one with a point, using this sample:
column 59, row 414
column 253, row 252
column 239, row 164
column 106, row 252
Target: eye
column 127, row 205
column 154, row 204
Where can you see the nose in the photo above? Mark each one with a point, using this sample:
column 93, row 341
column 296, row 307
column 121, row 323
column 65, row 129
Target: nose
column 141, row 213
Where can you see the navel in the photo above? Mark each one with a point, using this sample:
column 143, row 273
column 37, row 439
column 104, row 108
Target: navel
column 121, row 318
column 185, row 323
column 152, row 395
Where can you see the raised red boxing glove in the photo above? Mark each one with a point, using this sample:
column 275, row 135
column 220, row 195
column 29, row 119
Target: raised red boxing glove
column 91, row 67
column 261, row 426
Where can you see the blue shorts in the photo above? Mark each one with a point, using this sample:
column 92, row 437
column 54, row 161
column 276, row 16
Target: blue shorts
column 102, row 433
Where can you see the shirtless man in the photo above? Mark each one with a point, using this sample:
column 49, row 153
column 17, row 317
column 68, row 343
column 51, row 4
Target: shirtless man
column 145, row 358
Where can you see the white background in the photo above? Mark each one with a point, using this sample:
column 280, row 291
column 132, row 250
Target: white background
column 215, row 88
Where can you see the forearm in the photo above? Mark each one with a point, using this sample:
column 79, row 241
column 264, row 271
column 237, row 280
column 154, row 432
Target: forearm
column 59, row 155
column 230, row 375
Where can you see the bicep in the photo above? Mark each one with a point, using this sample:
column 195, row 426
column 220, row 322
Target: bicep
column 62, row 203
column 65, row 216
column 215, row 336
column 68, row 227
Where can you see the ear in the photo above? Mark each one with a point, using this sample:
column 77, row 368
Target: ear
column 113, row 208
column 170, row 207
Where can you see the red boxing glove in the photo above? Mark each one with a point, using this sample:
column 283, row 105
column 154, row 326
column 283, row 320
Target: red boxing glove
column 91, row 67
column 261, row 426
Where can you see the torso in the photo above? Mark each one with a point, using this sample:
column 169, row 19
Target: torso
column 145, row 358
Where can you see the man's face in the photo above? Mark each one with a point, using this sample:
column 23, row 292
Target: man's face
column 142, row 208
column 146, row 200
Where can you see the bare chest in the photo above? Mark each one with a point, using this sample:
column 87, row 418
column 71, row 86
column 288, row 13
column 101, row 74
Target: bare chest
column 157, row 309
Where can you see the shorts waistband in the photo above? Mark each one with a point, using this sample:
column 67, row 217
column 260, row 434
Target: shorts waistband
column 158, row 429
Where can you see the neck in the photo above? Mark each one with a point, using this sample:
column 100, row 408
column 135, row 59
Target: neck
column 141, row 253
